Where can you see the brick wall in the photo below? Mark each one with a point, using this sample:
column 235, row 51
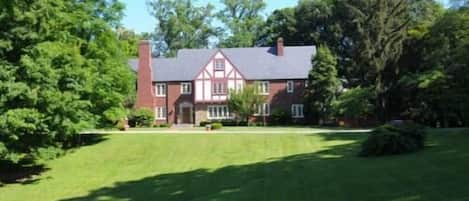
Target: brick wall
column 280, row 99
column 172, row 100
column 175, row 98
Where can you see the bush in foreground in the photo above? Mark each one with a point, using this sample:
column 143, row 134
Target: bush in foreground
column 394, row 139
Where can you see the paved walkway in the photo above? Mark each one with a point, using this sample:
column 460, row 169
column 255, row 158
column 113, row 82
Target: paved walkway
column 172, row 131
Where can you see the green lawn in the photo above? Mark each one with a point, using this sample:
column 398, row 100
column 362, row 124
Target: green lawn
column 242, row 167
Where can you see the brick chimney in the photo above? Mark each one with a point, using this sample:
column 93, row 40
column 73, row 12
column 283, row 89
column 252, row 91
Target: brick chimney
column 280, row 46
column 145, row 92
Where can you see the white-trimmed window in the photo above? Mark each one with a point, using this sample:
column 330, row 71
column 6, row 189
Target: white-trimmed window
column 186, row 88
column 264, row 87
column 218, row 112
column 297, row 110
column 160, row 89
column 263, row 109
column 219, row 88
column 290, row 86
column 160, row 113
column 219, row 64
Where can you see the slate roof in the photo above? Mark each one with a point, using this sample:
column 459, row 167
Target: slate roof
column 258, row 63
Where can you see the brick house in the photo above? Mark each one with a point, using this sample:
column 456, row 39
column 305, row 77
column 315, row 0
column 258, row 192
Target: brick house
column 193, row 86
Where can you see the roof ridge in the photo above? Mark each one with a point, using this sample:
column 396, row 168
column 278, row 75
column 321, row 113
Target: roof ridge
column 196, row 49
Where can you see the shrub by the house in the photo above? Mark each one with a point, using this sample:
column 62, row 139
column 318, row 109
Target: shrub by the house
column 280, row 117
column 394, row 139
column 224, row 123
column 217, row 126
column 165, row 125
column 121, row 125
column 141, row 117
column 203, row 123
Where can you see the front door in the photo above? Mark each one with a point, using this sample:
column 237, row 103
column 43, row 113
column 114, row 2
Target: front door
column 186, row 115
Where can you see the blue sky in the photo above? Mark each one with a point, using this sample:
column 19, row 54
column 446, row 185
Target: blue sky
column 138, row 18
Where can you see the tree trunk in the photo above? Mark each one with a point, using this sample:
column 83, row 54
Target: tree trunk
column 380, row 99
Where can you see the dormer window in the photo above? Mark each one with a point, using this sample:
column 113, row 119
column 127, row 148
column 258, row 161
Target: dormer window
column 219, row 64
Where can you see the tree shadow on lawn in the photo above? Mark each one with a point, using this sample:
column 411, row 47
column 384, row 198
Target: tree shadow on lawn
column 18, row 173
column 26, row 172
column 334, row 173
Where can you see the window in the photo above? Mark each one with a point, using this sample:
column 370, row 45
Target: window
column 263, row 109
column 160, row 89
column 186, row 88
column 218, row 112
column 219, row 64
column 264, row 87
column 290, row 86
column 160, row 113
column 297, row 111
column 219, row 88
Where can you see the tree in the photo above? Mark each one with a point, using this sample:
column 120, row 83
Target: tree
column 310, row 22
column 441, row 82
column 181, row 24
column 322, row 84
column 424, row 14
column 129, row 41
column 376, row 29
column 61, row 69
column 355, row 103
column 244, row 102
column 316, row 23
column 281, row 23
column 243, row 20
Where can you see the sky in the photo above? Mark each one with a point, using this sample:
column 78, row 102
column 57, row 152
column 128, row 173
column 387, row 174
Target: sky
column 137, row 16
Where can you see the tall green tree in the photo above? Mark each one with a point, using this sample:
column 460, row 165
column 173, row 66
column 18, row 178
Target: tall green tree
column 281, row 23
column 244, row 102
column 61, row 70
column 424, row 14
column 323, row 84
column 441, row 82
column 181, row 24
column 243, row 20
column 377, row 29
column 129, row 41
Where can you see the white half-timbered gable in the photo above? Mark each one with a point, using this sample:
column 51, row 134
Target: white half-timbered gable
column 216, row 79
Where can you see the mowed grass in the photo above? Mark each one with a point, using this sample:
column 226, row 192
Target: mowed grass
column 255, row 167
